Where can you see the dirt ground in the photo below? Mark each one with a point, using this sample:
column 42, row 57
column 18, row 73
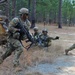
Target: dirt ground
column 39, row 61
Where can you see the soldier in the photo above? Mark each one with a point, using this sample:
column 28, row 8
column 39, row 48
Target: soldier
column 36, row 35
column 13, row 40
column 45, row 40
column 3, row 29
column 3, row 23
column 69, row 49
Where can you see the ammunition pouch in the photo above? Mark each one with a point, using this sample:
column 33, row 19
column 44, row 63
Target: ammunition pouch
column 16, row 35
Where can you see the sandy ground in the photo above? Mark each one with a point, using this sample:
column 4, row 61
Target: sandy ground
column 39, row 61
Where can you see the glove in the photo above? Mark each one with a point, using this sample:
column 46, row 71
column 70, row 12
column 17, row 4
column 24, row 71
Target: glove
column 57, row 37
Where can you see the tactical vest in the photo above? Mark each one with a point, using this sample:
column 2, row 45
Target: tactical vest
column 21, row 31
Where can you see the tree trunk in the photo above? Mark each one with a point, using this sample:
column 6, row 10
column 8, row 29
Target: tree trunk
column 33, row 13
column 13, row 8
column 7, row 8
column 60, row 14
column 29, row 3
column 2, row 1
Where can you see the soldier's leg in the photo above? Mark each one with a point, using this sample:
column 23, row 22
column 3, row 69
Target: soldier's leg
column 18, row 50
column 69, row 49
column 6, row 54
column 17, row 53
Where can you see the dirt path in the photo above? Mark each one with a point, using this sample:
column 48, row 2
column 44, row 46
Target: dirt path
column 53, row 62
column 64, row 65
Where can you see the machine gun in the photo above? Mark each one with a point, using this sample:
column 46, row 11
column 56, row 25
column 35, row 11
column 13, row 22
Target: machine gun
column 25, row 31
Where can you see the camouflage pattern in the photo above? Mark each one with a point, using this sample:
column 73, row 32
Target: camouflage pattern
column 70, row 49
column 23, row 11
column 3, row 28
column 3, row 18
column 15, row 46
column 45, row 40
column 45, row 30
column 3, row 24
column 15, row 21
column 13, row 43
column 35, row 29
column 36, row 37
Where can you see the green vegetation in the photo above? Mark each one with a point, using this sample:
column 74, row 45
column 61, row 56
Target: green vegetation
column 46, row 10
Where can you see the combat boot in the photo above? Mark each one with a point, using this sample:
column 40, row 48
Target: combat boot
column 66, row 52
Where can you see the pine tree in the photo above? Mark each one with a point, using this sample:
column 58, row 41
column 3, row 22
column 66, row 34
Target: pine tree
column 60, row 14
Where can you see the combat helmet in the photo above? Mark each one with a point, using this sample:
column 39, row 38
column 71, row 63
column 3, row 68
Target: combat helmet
column 23, row 11
column 45, row 30
column 35, row 28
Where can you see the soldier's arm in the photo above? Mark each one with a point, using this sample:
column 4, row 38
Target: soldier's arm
column 12, row 25
column 54, row 38
column 28, row 24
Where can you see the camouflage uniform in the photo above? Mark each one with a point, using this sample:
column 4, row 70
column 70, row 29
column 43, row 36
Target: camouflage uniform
column 13, row 40
column 36, row 35
column 45, row 40
column 70, row 49
column 36, row 38
column 3, row 28
column 3, row 23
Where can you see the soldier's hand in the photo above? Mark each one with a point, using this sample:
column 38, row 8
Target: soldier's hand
column 57, row 37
